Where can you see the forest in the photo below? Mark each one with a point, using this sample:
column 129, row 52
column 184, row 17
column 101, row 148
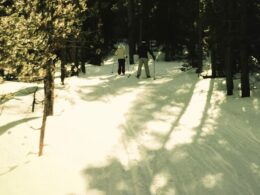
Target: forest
column 71, row 125
column 38, row 35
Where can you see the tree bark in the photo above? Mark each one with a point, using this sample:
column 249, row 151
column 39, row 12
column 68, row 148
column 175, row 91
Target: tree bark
column 214, row 63
column 230, row 38
column 76, row 59
column 63, row 64
column 49, row 88
column 199, row 31
column 229, row 75
column 48, row 102
column 42, row 134
column 82, row 57
column 141, row 21
column 131, row 31
column 245, row 86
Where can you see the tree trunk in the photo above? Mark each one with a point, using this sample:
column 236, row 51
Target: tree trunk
column 229, row 74
column 83, row 61
column 245, row 86
column 82, row 57
column 42, row 134
column 192, row 52
column 141, row 21
column 49, row 88
column 213, row 58
column 199, row 31
column 63, row 64
column 131, row 31
column 48, row 83
column 75, row 69
column 48, row 101
column 230, row 39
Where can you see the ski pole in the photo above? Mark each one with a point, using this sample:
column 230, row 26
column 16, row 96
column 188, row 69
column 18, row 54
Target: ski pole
column 154, row 70
column 128, row 67
column 113, row 68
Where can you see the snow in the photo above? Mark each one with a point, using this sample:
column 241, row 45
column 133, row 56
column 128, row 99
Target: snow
column 113, row 135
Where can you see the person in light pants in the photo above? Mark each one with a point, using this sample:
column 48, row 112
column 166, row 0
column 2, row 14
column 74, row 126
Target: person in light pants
column 143, row 51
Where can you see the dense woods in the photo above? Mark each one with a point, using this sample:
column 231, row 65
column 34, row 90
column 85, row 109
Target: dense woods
column 33, row 32
column 38, row 35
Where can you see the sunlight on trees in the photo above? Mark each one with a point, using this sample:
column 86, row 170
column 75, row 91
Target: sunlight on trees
column 31, row 33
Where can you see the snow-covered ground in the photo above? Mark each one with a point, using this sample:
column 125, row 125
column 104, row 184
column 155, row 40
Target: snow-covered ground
column 113, row 135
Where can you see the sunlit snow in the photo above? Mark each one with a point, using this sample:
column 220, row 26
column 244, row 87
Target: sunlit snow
column 112, row 135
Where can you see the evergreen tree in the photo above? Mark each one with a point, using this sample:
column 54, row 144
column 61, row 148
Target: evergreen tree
column 31, row 33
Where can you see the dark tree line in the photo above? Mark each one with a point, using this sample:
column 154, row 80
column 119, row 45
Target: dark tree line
column 225, row 30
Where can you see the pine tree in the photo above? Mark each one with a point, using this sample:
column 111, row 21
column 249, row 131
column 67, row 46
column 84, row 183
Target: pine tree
column 31, row 34
column 62, row 20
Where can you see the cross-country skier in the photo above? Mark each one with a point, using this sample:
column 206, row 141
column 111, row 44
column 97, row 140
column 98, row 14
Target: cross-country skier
column 142, row 52
column 121, row 56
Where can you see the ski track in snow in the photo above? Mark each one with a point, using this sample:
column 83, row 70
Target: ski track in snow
column 114, row 135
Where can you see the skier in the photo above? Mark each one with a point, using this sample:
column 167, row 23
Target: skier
column 121, row 56
column 142, row 52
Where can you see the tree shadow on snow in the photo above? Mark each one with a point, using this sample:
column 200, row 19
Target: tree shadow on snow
column 22, row 92
column 10, row 125
column 214, row 160
column 112, row 85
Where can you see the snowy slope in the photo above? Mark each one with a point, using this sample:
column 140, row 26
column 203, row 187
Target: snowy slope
column 113, row 135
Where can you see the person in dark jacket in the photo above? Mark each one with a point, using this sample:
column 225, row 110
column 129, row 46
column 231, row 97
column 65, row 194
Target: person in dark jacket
column 142, row 52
